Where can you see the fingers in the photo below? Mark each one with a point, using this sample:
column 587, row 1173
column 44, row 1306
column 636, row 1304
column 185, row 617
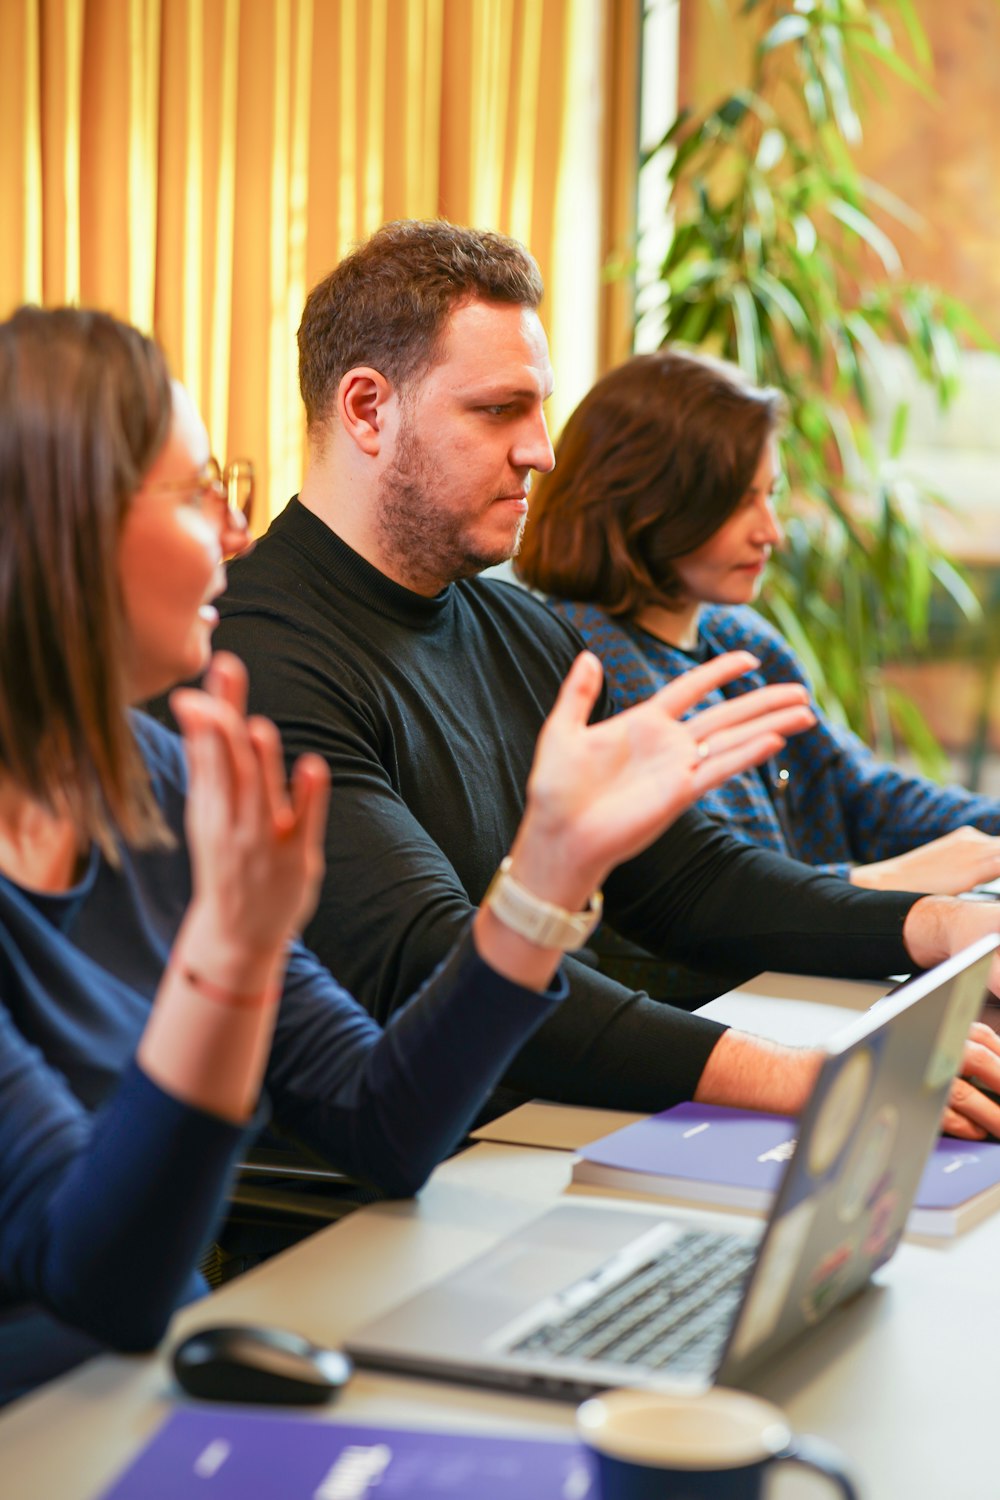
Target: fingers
column 266, row 744
column 953, row 1123
column 578, row 694
column 783, row 721
column 226, row 679
column 718, row 767
column 211, row 769
column 685, row 691
column 982, row 1040
column 749, row 707
column 311, row 797
column 185, row 704
column 970, row 1114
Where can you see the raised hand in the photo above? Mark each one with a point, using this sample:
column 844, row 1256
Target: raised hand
column 256, row 842
column 600, row 793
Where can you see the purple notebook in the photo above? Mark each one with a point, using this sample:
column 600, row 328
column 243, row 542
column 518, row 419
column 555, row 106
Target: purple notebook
column 220, row 1453
column 735, row 1158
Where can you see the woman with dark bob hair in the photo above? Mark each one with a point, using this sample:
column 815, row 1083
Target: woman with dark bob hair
column 150, row 891
column 651, row 536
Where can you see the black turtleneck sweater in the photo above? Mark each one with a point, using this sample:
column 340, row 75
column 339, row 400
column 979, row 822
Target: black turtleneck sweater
column 427, row 711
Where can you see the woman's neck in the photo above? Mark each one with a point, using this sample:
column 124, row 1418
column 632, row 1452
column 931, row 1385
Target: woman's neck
column 39, row 849
column 677, row 627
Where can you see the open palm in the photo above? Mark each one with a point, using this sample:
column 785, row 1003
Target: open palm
column 606, row 790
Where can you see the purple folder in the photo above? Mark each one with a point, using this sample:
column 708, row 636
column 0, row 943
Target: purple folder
column 218, row 1453
column 734, row 1157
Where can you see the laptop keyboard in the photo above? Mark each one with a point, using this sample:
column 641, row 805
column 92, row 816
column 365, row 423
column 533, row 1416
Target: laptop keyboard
column 673, row 1311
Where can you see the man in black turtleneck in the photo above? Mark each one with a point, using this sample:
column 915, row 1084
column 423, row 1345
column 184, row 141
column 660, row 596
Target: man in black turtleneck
column 370, row 639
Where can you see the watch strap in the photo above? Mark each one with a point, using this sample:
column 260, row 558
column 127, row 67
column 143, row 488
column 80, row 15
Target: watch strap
column 540, row 921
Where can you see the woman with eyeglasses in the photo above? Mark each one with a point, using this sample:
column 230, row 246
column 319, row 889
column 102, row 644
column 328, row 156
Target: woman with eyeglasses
column 150, row 979
column 652, row 537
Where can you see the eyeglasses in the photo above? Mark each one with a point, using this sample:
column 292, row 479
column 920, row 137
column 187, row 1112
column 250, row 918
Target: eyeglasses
column 215, row 491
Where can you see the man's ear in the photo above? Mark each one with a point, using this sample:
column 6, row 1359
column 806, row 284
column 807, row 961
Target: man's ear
column 361, row 397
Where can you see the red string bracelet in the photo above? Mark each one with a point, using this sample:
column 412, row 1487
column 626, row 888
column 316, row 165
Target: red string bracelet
column 222, row 996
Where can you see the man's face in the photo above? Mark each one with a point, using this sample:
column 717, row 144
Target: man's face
column 453, row 494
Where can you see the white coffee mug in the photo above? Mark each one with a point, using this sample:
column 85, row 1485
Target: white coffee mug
column 649, row 1445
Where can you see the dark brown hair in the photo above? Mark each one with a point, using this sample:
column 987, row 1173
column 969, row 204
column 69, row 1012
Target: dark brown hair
column 386, row 304
column 86, row 408
column 656, row 456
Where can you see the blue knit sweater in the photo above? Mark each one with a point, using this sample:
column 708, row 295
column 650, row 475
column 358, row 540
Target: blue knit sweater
column 827, row 800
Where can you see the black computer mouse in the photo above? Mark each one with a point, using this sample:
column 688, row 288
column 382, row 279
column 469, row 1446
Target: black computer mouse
column 250, row 1363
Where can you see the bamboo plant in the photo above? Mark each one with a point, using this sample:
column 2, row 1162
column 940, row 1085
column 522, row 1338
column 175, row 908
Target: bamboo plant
column 780, row 260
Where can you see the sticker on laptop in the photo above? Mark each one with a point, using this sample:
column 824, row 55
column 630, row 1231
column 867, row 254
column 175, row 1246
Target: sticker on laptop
column 840, row 1112
column 826, row 1282
column 864, row 1176
column 779, row 1260
column 881, row 1238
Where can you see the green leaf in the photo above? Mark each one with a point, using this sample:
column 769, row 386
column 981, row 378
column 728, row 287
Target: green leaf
column 771, row 263
column 788, row 29
column 892, row 60
column 784, row 299
column 770, row 150
column 832, row 70
column 953, row 580
column 747, row 330
column 865, row 228
column 805, row 233
column 897, row 433
column 915, row 732
column 918, row 37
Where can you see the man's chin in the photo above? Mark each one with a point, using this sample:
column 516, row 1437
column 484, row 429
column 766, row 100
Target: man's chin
column 481, row 558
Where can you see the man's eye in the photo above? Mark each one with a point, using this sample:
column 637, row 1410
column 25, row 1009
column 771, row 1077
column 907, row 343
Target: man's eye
column 499, row 410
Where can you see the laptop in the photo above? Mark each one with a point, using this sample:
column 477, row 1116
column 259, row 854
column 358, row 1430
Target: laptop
column 591, row 1295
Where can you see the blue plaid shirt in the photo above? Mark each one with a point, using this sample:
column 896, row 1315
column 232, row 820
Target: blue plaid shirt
column 826, row 800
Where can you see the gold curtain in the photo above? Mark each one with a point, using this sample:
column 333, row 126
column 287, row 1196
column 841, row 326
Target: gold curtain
column 195, row 165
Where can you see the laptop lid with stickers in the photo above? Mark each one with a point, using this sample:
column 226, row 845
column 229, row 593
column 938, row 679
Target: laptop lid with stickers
column 863, row 1142
column 589, row 1294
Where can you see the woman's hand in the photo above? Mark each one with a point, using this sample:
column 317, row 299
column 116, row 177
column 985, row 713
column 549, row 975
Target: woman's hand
column 943, row 867
column 256, row 842
column 600, row 793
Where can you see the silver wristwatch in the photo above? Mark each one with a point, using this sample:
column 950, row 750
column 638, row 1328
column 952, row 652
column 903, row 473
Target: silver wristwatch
column 537, row 920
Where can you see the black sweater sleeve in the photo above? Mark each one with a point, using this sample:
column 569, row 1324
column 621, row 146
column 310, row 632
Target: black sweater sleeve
column 392, row 904
column 703, row 897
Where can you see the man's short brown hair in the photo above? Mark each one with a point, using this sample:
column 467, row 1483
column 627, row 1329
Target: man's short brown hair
column 656, row 457
column 386, row 304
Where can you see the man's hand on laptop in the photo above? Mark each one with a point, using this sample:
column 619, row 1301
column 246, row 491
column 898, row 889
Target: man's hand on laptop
column 973, row 1109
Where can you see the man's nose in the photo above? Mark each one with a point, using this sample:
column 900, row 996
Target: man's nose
column 534, row 448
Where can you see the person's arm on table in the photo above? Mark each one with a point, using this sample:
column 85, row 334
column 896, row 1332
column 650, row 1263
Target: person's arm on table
column 746, row 1071
column 954, row 862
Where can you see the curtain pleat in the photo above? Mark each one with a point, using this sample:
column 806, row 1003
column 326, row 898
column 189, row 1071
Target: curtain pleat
column 196, row 165
column 217, row 395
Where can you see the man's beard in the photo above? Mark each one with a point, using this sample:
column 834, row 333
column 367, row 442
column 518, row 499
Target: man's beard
column 427, row 546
